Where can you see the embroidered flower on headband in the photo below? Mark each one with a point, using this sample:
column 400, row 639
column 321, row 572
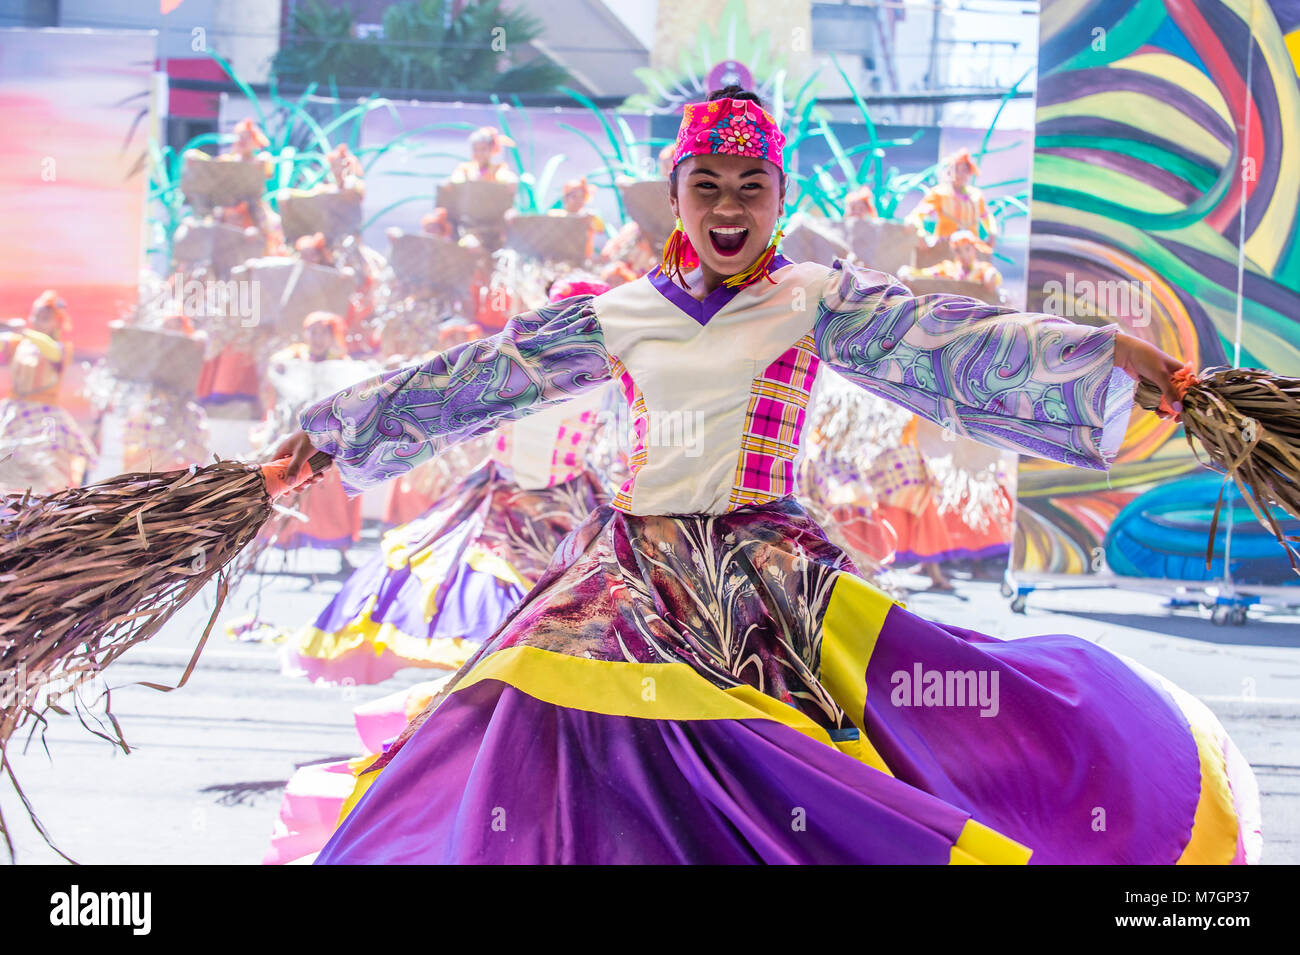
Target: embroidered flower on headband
column 738, row 136
column 734, row 127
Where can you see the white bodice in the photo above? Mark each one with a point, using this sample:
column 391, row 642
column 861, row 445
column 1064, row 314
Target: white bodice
column 692, row 389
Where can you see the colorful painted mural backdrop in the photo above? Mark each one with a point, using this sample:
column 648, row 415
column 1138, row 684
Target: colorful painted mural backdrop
column 1160, row 187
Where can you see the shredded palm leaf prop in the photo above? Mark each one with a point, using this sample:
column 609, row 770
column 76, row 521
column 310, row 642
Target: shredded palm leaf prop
column 89, row 572
column 1248, row 422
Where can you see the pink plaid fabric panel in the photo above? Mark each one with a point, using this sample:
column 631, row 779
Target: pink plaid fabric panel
column 778, row 403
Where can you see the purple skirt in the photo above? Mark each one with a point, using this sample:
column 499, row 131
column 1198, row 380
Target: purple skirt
column 722, row 689
column 444, row 582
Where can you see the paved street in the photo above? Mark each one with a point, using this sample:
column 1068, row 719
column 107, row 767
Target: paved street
column 209, row 761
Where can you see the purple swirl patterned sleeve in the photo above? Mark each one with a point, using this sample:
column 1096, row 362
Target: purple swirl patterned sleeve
column 383, row 427
column 1023, row 381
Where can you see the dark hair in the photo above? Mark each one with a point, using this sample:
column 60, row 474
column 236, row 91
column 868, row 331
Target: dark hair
column 735, row 92
column 727, row 92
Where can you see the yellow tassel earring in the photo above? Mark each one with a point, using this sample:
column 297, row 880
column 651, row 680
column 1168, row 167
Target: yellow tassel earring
column 675, row 253
column 759, row 269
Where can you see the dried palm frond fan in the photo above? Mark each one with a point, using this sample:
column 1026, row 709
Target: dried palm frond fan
column 89, row 572
column 1248, row 422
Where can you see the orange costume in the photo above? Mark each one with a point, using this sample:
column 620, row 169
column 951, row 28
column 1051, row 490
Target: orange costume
column 953, row 208
column 908, row 501
column 436, row 223
column 229, row 377
column 314, row 249
column 628, row 255
column 250, row 146
column 346, row 170
column 470, row 171
column 249, row 141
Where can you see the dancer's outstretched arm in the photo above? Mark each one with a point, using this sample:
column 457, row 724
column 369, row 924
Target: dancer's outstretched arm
column 1028, row 382
column 383, row 427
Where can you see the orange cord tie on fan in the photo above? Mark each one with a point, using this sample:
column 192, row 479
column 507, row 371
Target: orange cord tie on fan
column 1183, row 380
column 276, row 473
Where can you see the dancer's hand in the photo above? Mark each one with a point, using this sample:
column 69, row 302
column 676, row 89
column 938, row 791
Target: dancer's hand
column 1145, row 362
column 298, row 448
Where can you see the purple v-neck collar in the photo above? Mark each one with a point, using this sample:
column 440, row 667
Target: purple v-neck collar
column 701, row 309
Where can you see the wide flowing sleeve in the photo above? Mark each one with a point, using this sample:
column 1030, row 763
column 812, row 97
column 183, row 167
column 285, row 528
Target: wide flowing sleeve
column 1026, row 382
column 385, row 426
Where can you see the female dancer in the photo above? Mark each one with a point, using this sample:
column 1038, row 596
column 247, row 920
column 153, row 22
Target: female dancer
column 442, row 583
column 163, row 429
column 333, row 518
column 699, row 676
column 41, row 446
column 485, row 143
column 955, row 205
column 964, row 267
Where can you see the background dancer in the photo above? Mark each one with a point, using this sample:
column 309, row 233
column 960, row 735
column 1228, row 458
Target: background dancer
column 444, row 582
column 963, row 267
column 41, row 446
column 484, row 144
column 954, row 205
column 333, row 520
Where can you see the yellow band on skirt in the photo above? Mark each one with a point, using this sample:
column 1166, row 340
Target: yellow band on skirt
column 674, row 691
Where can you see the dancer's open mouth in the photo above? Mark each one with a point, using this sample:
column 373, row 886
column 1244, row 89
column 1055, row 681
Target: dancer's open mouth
column 728, row 240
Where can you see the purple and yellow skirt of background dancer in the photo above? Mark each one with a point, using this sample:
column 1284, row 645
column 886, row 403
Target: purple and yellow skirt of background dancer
column 442, row 583
column 723, row 689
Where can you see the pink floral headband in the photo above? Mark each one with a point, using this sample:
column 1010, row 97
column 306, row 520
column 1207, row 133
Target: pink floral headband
column 734, row 127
